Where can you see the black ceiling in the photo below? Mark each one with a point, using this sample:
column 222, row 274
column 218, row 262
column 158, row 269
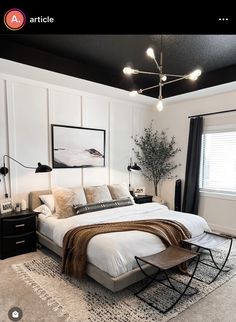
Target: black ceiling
column 101, row 58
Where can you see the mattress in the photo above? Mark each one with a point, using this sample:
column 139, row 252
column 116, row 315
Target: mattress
column 114, row 252
column 46, row 225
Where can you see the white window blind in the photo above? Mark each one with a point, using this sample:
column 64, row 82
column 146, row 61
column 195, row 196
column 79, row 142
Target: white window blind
column 218, row 162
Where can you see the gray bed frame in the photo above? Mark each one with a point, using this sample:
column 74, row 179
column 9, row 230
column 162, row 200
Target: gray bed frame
column 114, row 284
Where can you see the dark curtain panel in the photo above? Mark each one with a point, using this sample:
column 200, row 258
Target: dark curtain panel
column 191, row 187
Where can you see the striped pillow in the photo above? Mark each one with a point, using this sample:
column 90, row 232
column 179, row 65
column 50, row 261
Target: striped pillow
column 83, row 209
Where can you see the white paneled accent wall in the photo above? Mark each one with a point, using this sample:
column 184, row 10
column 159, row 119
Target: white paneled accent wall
column 32, row 99
column 65, row 108
column 95, row 111
column 27, row 107
column 121, row 128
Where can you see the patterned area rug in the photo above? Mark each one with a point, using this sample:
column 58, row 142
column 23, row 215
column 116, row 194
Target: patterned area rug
column 86, row 300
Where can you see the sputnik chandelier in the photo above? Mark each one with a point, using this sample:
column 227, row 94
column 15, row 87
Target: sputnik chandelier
column 161, row 76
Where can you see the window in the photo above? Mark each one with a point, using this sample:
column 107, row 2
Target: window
column 218, row 162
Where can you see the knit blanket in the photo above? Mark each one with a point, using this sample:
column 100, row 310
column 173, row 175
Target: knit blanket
column 76, row 240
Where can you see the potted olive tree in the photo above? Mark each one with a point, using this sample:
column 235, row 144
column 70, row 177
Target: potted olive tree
column 155, row 155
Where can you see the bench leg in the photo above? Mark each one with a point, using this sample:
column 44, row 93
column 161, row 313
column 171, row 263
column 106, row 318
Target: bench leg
column 172, row 286
column 216, row 265
column 223, row 265
column 152, row 279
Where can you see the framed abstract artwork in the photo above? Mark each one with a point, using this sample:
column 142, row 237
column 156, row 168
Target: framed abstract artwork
column 77, row 147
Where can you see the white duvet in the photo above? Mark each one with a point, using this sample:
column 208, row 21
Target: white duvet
column 114, row 252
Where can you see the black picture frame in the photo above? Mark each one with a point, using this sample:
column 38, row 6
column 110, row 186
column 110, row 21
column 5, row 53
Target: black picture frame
column 77, row 147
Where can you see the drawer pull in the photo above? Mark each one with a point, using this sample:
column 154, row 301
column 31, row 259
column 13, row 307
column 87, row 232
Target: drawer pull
column 20, row 225
column 20, row 242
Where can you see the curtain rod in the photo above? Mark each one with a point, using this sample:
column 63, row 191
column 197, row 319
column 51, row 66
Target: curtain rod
column 213, row 113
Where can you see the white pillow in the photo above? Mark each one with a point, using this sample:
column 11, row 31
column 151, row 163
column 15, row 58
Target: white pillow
column 43, row 209
column 48, row 200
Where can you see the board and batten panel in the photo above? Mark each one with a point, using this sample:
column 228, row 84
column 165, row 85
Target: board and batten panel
column 28, row 137
column 95, row 111
column 120, row 141
column 65, row 109
column 3, row 131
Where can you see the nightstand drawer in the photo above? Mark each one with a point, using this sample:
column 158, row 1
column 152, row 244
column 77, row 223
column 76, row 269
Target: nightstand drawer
column 17, row 226
column 19, row 243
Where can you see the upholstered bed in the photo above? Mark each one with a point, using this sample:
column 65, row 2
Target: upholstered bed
column 111, row 256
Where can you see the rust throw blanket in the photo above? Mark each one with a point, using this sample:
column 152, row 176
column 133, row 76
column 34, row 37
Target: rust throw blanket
column 76, row 240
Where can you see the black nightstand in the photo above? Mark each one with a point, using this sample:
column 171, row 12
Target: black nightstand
column 143, row 199
column 17, row 233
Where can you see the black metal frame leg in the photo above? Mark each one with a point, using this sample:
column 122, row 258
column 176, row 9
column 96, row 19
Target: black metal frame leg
column 171, row 285
column 216, row 265
column 152, row 279
column 223, row 265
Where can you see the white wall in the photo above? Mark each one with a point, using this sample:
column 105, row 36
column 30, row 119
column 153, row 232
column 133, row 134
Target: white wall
column 31, row 99
column 220, row 213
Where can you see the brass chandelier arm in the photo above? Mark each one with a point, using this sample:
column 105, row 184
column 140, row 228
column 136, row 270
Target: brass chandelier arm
column 162, row 84
column 147, row 88
column 158, row 66
column 174, row 75
column 175, row 80
column 144, row 72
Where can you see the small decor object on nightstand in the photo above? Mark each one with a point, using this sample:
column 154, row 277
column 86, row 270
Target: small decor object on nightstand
column 6, row 206
column 23, row 204
column 139, row 191
column 17, row 207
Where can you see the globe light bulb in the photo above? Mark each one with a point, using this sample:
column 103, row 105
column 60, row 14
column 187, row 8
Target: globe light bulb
column 159, row 105
column 133, row 93
column 128, row 71
column 150, row 53
column 163, row 78
column 195, row 74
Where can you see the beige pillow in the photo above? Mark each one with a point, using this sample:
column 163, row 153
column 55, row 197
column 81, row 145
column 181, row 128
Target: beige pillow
column 119, row 191
column 97, row 194
column 65, row 198
column 79, row 197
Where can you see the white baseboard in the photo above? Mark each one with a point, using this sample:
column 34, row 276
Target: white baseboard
column 223, row 229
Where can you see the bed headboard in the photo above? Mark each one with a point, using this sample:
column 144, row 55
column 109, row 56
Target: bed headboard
column 34, row 200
